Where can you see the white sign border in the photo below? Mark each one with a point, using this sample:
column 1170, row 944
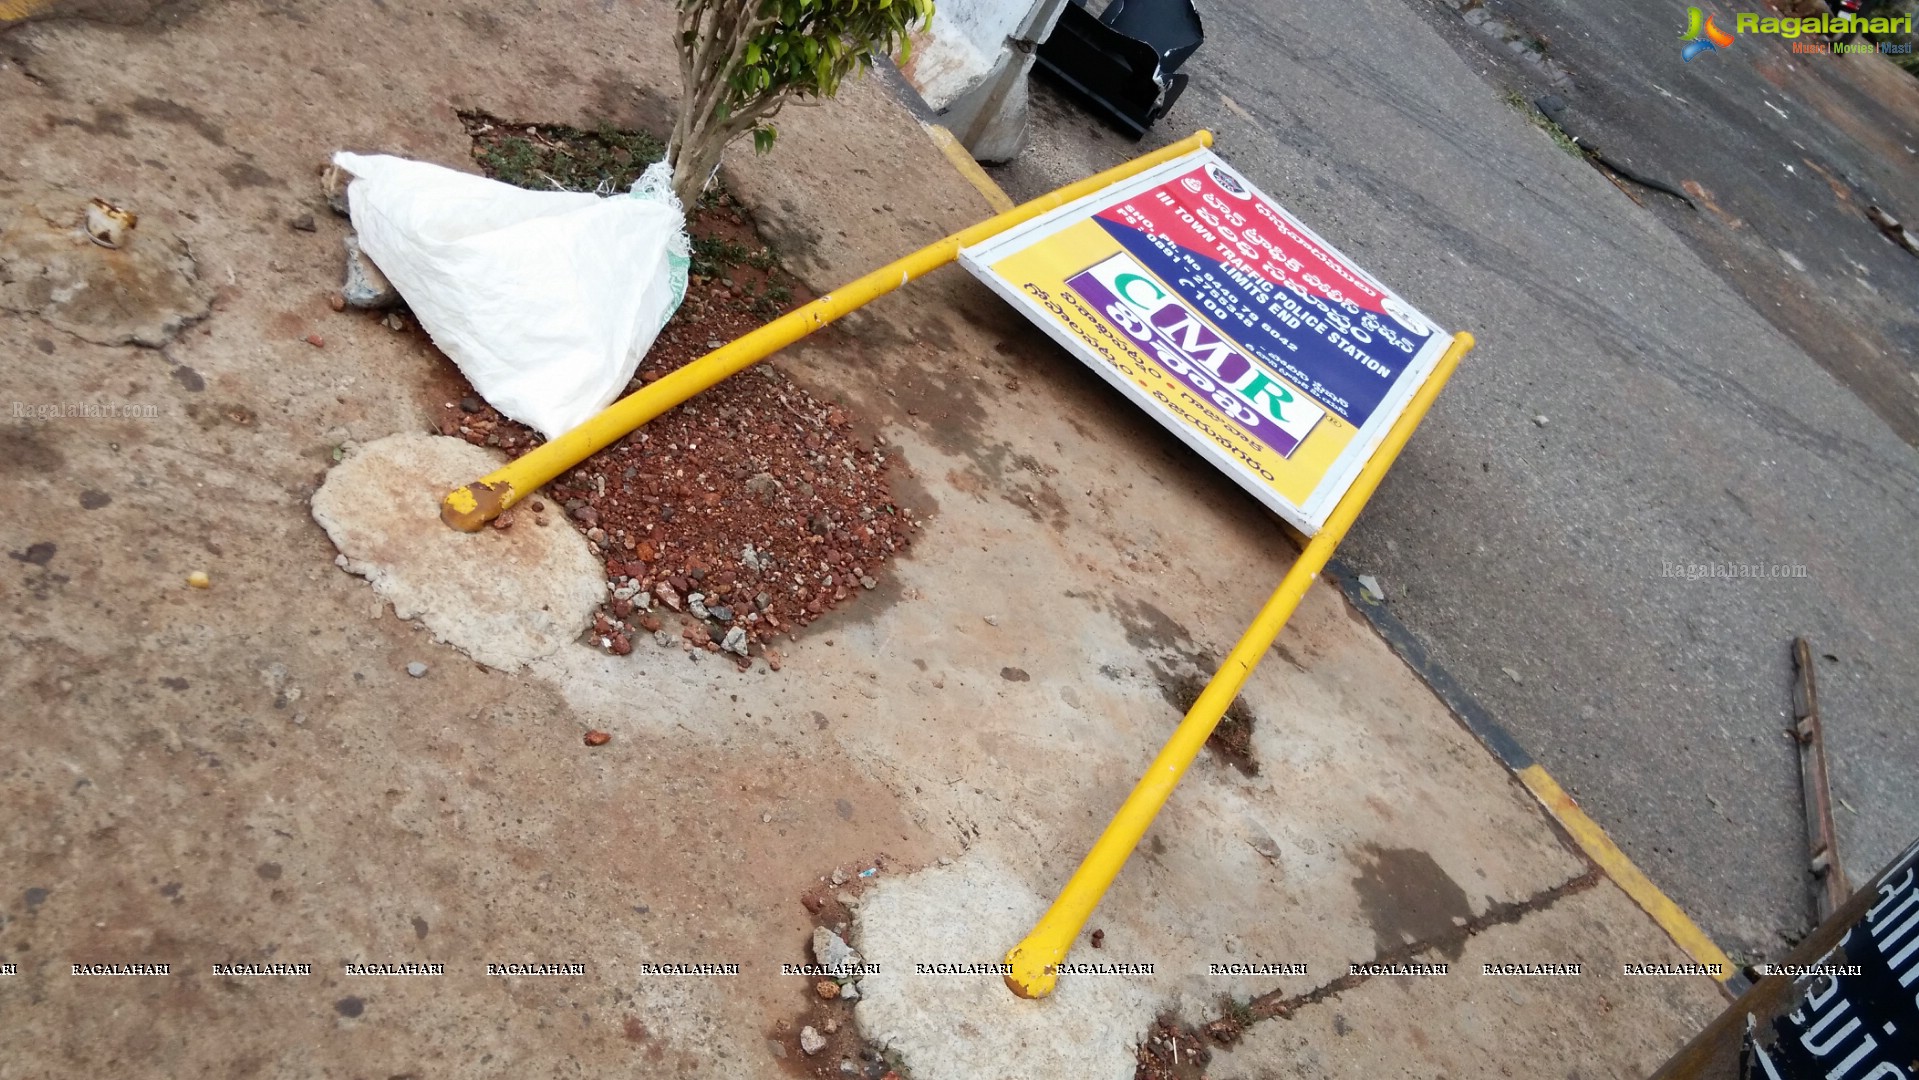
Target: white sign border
column 1340, row 474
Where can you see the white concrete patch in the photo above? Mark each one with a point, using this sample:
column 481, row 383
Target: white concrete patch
column 971, row 1027
column 503, row 597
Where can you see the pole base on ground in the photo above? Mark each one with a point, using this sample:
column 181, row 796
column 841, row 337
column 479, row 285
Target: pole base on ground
column 1035, row 970
column 469, row 508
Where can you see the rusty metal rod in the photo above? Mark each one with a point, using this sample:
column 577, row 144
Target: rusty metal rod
column 1831, row 887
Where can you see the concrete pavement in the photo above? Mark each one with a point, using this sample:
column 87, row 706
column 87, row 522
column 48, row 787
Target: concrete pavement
column 249, row 774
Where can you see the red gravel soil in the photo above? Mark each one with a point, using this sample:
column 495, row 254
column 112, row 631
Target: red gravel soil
column 746, row 513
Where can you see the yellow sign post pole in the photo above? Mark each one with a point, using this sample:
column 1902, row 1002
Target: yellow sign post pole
column 1035, row 960
column 469, row 508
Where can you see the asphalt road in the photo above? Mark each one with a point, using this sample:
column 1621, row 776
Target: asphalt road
column 1682, row 425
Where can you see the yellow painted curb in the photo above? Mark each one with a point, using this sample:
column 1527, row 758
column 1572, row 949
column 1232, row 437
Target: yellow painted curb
column 963, row 161
column 1601, row 850
column 20, row 9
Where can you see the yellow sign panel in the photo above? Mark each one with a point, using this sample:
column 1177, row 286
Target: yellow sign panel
column 1233, row 323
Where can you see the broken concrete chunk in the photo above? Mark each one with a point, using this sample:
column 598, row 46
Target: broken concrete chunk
column 366, row 287
column 333, row 184
column 831, row 951
column 765, row 488
column 1260, row 840
column 811, row 1042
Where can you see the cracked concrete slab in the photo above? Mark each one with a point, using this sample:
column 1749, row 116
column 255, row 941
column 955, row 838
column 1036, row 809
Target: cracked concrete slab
column 1381, row 815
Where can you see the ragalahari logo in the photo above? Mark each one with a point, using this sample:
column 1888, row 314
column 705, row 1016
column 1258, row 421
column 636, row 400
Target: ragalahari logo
column 1702, row 35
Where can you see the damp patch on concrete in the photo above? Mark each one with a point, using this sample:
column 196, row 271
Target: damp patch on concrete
column 1182, row 668
column 1408, row 899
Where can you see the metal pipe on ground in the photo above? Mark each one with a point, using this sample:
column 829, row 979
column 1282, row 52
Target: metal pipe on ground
column 1035, row 961
column 470, row 507
column 1831, row 887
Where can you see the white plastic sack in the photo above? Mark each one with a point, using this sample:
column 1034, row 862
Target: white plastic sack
column 546, row 300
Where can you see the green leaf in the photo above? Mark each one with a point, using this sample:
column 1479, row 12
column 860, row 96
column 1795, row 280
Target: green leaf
column 806, row 50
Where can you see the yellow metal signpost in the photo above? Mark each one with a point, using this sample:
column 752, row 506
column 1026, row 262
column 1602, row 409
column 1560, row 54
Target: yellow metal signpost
column 469, row 508
column 1259, row 345
column 1035, row 959
column 1249, row 337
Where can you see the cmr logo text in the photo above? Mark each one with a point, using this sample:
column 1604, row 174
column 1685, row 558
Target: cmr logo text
column 1205, row 362
column 1702, row 35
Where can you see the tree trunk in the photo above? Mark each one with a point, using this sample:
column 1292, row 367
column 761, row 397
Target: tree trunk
column 693, row 164
column 714, row 39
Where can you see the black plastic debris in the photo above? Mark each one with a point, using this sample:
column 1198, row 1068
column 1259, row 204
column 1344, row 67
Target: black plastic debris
column 1124, row 61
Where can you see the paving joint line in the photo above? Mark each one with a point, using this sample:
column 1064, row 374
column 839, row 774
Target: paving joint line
column 1275, row 1004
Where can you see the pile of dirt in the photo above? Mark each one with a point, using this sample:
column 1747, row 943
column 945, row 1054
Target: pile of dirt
column 1171, row 1051
column 1232, row 737
column 748, row 512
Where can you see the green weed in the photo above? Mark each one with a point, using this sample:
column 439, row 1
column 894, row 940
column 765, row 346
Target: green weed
column 546, row 157
column 1544, row 123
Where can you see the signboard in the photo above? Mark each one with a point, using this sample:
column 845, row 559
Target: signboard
column 1857, row 1016
column 1226, row 318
